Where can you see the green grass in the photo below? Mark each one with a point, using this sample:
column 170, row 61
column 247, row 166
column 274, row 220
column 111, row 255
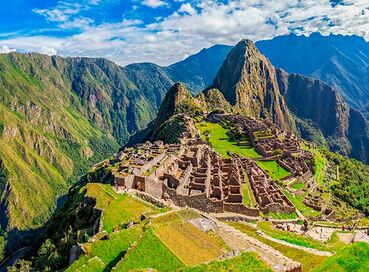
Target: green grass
column 282, row 215
column 118, row 208
column 220, row 141
column 247, row 261
column 298, row 185
column 297, row 200
column 275, row 171
column 301, row 240
column 108, row 251
column 320, row 163
column 191, row 245
column 93, row 265
column 307, row 260
column 353, row 258
column 149, row 253
column 248, row 195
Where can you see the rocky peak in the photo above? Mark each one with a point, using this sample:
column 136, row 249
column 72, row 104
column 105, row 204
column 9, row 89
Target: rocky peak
column 248, row 81
column 174, row 98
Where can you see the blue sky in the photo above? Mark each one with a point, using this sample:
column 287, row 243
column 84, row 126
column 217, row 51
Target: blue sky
column 165, row 31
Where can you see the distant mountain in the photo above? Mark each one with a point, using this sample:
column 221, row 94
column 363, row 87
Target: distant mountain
column 341, row 61
column 198, row 71
column 345, row 129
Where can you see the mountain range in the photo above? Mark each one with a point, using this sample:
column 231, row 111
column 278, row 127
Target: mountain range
column 58, row 116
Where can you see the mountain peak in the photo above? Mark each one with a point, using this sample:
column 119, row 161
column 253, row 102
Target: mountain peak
column 177, row 95
column 248, row 81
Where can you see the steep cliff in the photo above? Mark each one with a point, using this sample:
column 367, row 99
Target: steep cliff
column 345, row 129
column 248, row 81
column 341, row 61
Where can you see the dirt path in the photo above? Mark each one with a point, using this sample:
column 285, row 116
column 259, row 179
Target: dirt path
column 306, row 249
column 237, row 240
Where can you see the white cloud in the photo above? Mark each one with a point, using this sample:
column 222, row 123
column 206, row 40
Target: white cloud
column 67, row 14
column 5, row 49
column 187, row 8
column 80, row 23
column 154, row 3
column 61, row 13
column 48, row 51
column 184, row 32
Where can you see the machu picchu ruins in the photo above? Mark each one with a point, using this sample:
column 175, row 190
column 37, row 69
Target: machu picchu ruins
column 193, row 174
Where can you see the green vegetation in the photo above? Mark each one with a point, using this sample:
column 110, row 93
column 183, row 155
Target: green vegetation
column 297, row 200
column 352, row 185
column 247, row 261
column 60, row 117
column 191, row 245
column 320, row 164
column 307, row 260
column 149, row 253
column 2, row 246
column 248, row 195
column 171, row 130
column 309, row 131
column 275, row 171
column 298, row 185
column 108, row 251
column 353, row 258
column 282, row 215
column 219, row 140
column 118, row 209
column 293, row 238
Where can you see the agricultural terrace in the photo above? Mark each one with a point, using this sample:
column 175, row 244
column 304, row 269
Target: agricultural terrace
column 297, row 200
column 346, row 258
column 149, row 252
column 108, row 252
column 320, row 163
column 191, row 245
column 118, row 208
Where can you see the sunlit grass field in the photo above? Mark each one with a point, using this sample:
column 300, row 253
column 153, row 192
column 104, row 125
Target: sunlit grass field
column 220, row 141
column 118, row 208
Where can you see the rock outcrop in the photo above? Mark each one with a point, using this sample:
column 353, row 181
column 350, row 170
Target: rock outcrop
column 345, row 129
column 248, row 82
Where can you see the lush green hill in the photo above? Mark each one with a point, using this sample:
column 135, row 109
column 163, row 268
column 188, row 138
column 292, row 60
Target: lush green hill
column 58, row 116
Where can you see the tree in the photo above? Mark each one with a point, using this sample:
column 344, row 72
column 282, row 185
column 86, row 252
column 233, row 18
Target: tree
column 21, row 266
column 48, row 257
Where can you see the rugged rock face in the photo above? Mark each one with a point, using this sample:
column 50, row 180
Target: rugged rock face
column 251, row 84
column 344, row 128
column 341, row 61
column 248, row 81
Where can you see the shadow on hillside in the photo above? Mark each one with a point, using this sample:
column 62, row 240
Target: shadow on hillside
column 20, row 239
